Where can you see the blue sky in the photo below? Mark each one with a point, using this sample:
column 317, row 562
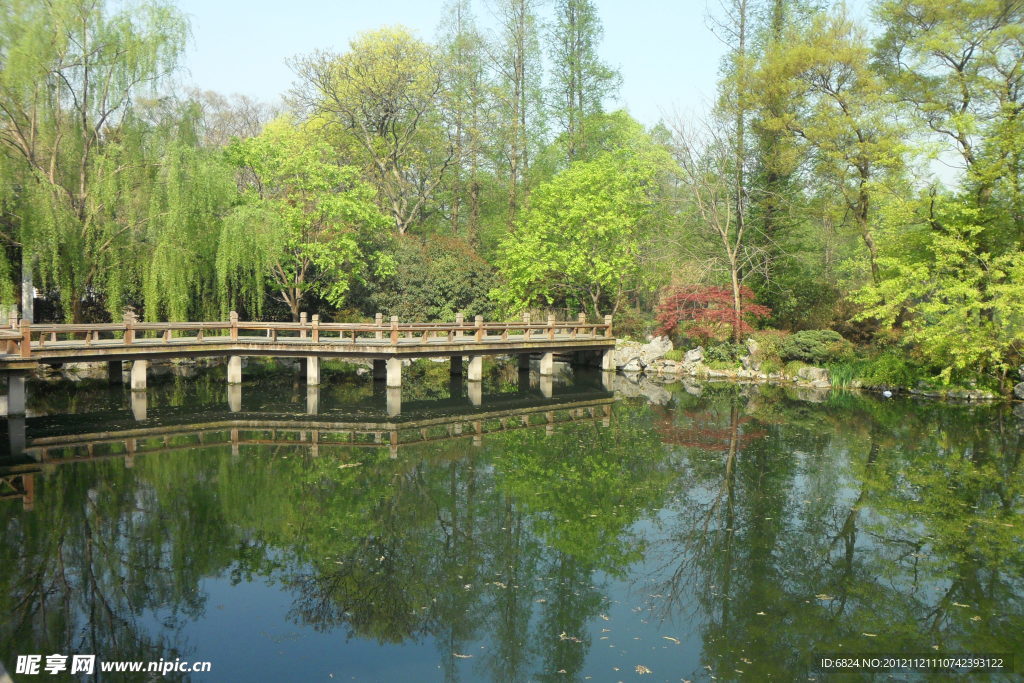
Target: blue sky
column 668, row 57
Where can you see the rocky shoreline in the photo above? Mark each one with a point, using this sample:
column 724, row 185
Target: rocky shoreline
column 637, row 359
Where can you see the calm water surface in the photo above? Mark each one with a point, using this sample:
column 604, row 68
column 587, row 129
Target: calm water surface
column 726, row 532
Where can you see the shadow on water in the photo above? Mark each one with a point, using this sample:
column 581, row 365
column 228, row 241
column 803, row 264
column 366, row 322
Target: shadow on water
column 720, row 529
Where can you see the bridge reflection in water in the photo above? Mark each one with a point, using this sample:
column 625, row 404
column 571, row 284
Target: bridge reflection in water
column 38, row 444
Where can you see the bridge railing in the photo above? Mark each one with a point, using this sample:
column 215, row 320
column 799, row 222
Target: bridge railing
column 22, row 338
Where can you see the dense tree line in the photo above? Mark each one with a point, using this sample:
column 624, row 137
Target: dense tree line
column 863, row 177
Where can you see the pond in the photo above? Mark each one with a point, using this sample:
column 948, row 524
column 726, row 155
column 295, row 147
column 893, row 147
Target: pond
column 716, row 531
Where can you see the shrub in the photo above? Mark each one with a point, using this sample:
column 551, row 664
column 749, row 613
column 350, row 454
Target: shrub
column 815, row 346
column 704, row 310
column 891, row 368
column 724, row 353
column 675, row 354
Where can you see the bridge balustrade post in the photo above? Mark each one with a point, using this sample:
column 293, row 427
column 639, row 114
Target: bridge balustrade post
column 233, row 319
column 479, row 320
column 394, row 329
column 378, row 320
column 581, row 320
column 316, row 327
column 551, row 326
column 527, row 332
column 26, row 339
column 608, row 326
column 302, row 322
column 460, row 320
column 129, row 327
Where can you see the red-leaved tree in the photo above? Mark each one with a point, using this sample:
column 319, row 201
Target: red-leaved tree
column 707, row 308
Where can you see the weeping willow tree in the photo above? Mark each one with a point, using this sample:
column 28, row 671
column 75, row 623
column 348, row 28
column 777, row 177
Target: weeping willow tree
column 81, row 166
column 304, row 224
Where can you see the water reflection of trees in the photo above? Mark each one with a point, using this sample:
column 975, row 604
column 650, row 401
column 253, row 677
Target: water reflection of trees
column 850, row 525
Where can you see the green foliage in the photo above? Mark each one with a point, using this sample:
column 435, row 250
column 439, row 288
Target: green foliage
column 436, row 279
column 675, row 354
column 582, row 237
column 304, row 223
column 725, row 353
column 890, row 368
column 964, row 305
column 814, row 347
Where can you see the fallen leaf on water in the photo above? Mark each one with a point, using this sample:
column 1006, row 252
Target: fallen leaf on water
column 674, row 640
column 760, row 614
column 641, row 669
column 456, row 654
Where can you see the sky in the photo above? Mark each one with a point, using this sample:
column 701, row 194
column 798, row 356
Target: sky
column 668, row 57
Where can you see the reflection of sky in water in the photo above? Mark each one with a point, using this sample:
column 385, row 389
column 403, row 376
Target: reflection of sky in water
column 738, row 531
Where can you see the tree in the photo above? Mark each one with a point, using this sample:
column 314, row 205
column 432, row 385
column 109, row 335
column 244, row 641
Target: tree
column 583, row 235
column 304, row 224
column 515, row 60
column 707, row 308
column 384, row 94
column 70, row 70
column 581, row 82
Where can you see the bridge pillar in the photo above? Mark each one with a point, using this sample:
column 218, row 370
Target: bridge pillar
column 115, row 372
column 524, row 380
column 138, row 375
column 607, row 380
column 16, row 435
column 476, row 369
column 312, row 400
column 234, row 369
column 380, row 370
column 394, row 401
column 547, row 364
column 456, row 366
column 235, row 398
column 313, row 371
column 524, row 361
column 140, row 402
column 476, row 392
column 607, row 359
column 394, row 373
column 547, row 383
column 16, row 393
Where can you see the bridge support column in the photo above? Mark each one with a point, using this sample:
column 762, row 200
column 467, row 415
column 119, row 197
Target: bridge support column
column 380, row 370
column 234, row 369
column 140, row 402
column 312, row 400
column 547, row 384
column 547, row 364
column 115, row 372
column 235, row 398
column 313, row 371
column 16, row 393
column 138, row 377
column 607, row 359
column 524, row 362
column 456, row 366
column 394, row 373
column 16, row 435
column 476, row 369
column 607, row 379
column 476, row 392
column 394, row 401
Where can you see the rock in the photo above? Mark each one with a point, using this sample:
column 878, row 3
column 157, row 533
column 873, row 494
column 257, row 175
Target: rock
column 655, row 350
column 629, row 387
column 632, row 366
column 812, row 374
column 694, row 355
column 752, row 360
column 1018, row 391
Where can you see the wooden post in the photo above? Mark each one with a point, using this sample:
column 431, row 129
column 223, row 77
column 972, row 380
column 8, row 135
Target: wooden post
column 479, row 320
column 551, row 325
column 26, row 339
column 608, row 329
column 233, row 318
column 378, row 320
column 394, row 329
column 316, row 327
column 302, row 322
column 527, row 332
